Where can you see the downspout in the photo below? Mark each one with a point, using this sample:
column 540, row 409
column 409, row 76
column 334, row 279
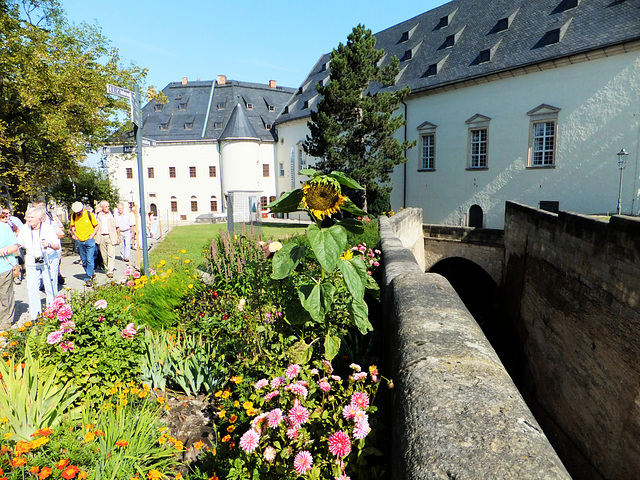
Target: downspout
column 404, row 179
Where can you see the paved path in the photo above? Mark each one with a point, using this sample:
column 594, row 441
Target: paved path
column 74, row 278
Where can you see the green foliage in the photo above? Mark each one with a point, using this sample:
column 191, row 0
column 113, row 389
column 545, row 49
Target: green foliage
column 87, row 185
column 31, row 400
column 353, row 129
column 155, row 362
column 194, row 362
column 54, row 106
column 89, row 343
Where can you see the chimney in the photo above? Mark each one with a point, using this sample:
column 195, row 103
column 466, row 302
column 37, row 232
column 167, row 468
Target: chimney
column 222, row 79
column 272, row 83
column 184, row 80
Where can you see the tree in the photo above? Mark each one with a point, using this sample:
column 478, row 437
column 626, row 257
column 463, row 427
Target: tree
column 53, row 103
column 87, row 185
column 352, row 131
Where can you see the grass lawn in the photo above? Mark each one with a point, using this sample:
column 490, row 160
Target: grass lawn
column 195, row 239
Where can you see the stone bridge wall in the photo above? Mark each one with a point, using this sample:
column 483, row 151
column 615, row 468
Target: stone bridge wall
column 572, row 291
column 457, row 414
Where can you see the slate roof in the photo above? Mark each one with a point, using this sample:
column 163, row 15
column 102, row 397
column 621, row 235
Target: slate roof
column 194, row 112
column 467, row 39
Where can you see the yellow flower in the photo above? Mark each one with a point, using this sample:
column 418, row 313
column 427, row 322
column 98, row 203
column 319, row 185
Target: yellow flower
column 190, row 285
column 89, row 436
column 178, row 476
column 226, row 394
column 134, row 391
column 7, row 435
column 233, row 418
column 27, row 324
column 231, row 428
column 247, row 405
column 142, row 394
column 236, row 380
column 217, row 394
column 183, row 251
column 187, row 261
column 162, row 439
column 178, row 445
column 236, row 404
column 4, row 420
column 154, row 475
column 348, row 255
column 222, row 413
column 198, row 445
column 21, row 329
column 160, row 399
column 322, row 197
column 162, row 262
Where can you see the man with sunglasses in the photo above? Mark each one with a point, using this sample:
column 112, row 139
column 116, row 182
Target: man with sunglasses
column 15, row 224
column 8, row 246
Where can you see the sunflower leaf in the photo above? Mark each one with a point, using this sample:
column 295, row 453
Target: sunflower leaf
column 344, row 180
column 286, row 260
column 327, row 244
column 354, row 273
column 352, row 225
column 331, row 347
column 289, row 202
column 351, row 207
column 309, row 172
column 359, row 312
column 316, row 299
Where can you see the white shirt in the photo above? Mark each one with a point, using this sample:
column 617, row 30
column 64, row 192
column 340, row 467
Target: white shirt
column 31, row 241
column 123, row 221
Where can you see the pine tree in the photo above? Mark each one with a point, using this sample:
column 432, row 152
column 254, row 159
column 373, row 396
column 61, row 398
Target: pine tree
column 353, row 129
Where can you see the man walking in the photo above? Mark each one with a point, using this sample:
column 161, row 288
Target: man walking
column 108, row 237
column 84, row 228
column 123, row 220
column 8, row 246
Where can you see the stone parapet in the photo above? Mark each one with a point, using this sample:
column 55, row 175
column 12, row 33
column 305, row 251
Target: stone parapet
column 456, row 412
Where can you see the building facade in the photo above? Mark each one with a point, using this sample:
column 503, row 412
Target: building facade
column 524, row 101
column 210, row 138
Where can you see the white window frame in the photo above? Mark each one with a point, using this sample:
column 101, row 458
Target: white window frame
column 476, row 158
column 427, row 153
column 543, row 144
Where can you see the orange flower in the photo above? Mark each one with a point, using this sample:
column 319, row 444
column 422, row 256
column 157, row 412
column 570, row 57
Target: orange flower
column 226, row 438
column 34, row 470
column 44, row 473
column 179, row 476
column 18, row 461
column 122, row 443
column 233, row 418
column 198, row 444
column 99, row 433
column 62, row 464
column 214, row 477
column 43, row 432
column 154, row 475
column 82, row 475
column 160, row 400
column 21, row 329
column 70, row 472
column 230, row 428
column 22, row 447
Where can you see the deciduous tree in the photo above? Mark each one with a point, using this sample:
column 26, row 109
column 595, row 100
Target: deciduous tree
column 354, row 126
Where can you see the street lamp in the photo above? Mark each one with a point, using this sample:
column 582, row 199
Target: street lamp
column 622, row 161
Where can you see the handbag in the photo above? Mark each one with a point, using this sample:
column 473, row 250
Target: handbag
column 17, row 271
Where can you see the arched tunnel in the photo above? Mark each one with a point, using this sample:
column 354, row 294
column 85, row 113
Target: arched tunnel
column 481, row 295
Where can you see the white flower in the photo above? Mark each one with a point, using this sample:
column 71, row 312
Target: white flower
column 275, row 246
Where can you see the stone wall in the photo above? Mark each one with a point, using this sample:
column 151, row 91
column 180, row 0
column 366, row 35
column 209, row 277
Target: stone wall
column 456, row 412
column 571, row 289
column 406, row 225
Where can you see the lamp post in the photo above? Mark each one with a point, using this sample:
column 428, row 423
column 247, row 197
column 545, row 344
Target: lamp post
column 622, row 161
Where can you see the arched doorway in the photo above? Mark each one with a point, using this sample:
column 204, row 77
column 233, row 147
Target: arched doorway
column 476, row 216
column 153, row 209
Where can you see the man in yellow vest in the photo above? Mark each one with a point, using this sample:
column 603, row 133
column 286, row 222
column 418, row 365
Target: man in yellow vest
column 84, row 228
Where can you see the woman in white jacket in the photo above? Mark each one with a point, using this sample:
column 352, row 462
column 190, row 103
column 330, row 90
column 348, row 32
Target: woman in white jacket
column 42, row 258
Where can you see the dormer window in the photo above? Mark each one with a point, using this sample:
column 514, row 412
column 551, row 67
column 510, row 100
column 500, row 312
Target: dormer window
column 484, row 56
column 268, row 126
column 217, row 125
column 158, row 107
column 404, row 37
column 249, row 106
column 449, row 41
column 182, row 106
column 566, row 5
column 164, row 126
column 300, row 90
column 551, row 37
column 444, row 22
column 502, row 25
column 286, row 109
column 221, row 106
column 188, row 126
column 323, row 68
column 272, row 108
column 407, row 56
column 306, row 104
column 432, row 70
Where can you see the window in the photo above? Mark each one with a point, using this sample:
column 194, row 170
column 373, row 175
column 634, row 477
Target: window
column 194, row 204
column 404, row 37
column 249, row 106
column 302, row 161
column 265, row 170
column 158, row 107
column 431, row 70
column 272, row 108
column 444, row 21
column 217, row 125
column 150, row 173
column 174, row 206
column 131, row 205
column 272, row 198
column 281, row 169
column 172, row 172
column 407, row 55
column 212, row 171
column 427, row 134
column 544, row 142
column 502, row 25
column 543, row 130
column 268, row 126
column 221, row 105
column 484, row 56
column 428, row 153
column 264, row 202
column 449, row 41
column 163, row 126
column 478, row 144
column 182, row 106
column 188, row 126
column 129, row 172
column 192, row 172
column 152, row 195
column 213, row 204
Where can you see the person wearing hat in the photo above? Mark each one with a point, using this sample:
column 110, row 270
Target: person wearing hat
column 84, row 228
column 8, row 247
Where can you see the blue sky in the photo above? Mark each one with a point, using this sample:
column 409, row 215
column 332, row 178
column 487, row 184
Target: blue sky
column 253, row 41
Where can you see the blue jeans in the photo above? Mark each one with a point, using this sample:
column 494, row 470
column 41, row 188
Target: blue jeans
column 87, row 251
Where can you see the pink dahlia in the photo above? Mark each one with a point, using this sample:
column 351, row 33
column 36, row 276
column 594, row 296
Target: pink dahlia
column 269, row 454
column 324, row 385
column 298, row 388
column 298, row 415
column 129, row 331
column 339, row 444
column 292, row 370
column 275, row 417
column 271, row 395
column 68, row 326
column 100, row 304
column 130, row 283
column 250, row 440
column 67, row 346
column 260, row 384
column 356, row 367
column 276, row 382
column 327, row 365
column 54, row 337
column 349, row 411
column 258, row 423
column 303, row 461
column 292, row 433
column 358, row 376
column 361, row 430
column 136, row 274
column 360, row 399
column 64, row 313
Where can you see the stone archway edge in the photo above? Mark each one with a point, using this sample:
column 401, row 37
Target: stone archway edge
column 456, row 411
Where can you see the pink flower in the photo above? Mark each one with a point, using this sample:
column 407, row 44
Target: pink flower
column 269, row 454
column 271, row 395
column 276, row 382
column 50, row 312
column 101, row 319
column 275, row 417
column 67, row 346
column 303, row 461
column 68, row 326
column 64, row 313
column 260, row 384
column 54, row 337
column 324, row 385
column 100, row 304
column 298, row 388
column 298, row 414
column 292, row 370
column 343, row 477
column 130, row 283
column 250, row 440
column 129, row 331
column 258, row 423
column 349, row 411
column 339, row 444
column 361, row 430
column 292, row 433
column 361, row 416
column 360, row 399
column 136, row 274
column 327, row 365
column 358, row 376
column 336, row 378
column 356, row 367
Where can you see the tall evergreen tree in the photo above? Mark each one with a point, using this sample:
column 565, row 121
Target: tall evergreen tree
column 352, row 130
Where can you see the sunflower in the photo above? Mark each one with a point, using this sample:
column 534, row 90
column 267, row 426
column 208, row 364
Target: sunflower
column 322, row 197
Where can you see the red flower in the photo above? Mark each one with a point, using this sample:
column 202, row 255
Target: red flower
column 70, row 472
column 44, row 473
column 62, row 464
column 122, row 443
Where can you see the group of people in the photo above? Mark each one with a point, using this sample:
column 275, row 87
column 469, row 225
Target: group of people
column 34, row 248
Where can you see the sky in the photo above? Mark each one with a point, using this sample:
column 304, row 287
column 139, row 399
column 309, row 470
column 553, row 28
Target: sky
column 252, row 41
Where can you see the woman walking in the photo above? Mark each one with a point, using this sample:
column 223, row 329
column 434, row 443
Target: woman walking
column 42, row 258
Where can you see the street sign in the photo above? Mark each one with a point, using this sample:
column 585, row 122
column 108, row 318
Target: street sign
column 119, row 91
column 119, row 149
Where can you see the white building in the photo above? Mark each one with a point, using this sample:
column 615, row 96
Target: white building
column 524, row 101
column 211, row 137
